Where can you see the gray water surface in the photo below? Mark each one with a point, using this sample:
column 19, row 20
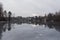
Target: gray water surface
column 29, row 32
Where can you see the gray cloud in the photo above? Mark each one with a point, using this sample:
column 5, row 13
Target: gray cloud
column 29, row 7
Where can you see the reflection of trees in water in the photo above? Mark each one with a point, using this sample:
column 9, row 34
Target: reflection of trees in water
column 57, row 28
column 7, row 26
column 3, row 27
column 54, row 25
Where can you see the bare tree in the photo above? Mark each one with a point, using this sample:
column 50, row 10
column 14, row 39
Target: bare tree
column 1, row 10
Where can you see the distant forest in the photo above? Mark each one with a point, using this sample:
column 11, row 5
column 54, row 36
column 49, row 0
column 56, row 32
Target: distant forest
column 54, row 17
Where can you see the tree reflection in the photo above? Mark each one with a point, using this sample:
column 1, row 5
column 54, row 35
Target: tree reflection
column 4, row 26
column 54, row 25
column 9, row 26
column 1, row 28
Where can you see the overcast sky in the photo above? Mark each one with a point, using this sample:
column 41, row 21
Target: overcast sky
column 31, row 7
